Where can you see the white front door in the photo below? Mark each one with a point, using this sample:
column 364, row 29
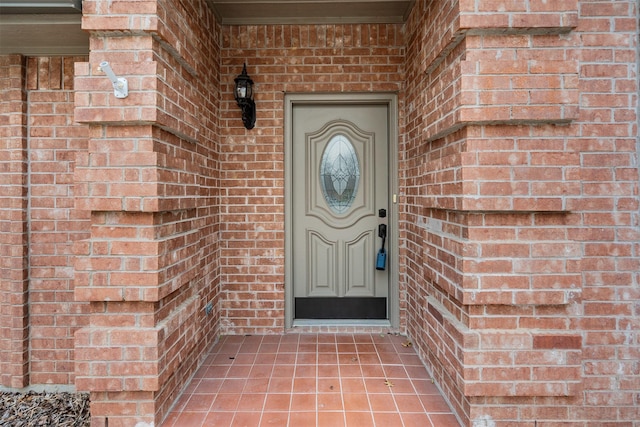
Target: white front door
column 340, row 190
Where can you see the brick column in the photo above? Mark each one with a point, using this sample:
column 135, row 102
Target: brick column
column 495, row 178
column 146, row 179
column 14, row 311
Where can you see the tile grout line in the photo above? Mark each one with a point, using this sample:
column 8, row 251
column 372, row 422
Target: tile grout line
column 395, row 403
column 246, row 358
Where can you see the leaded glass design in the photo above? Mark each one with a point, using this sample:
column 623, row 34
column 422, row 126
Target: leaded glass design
column 339, row 174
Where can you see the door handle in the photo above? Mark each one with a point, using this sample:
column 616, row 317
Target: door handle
column 381, row 258
column 382, row 232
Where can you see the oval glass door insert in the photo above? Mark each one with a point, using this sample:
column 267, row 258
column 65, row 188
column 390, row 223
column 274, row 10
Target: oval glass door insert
column 339, row 174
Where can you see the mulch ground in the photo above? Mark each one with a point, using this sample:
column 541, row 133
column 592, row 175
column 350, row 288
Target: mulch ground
column 44, row 409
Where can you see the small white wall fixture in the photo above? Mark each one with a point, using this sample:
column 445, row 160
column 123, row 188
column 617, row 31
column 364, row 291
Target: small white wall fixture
column 120, row 84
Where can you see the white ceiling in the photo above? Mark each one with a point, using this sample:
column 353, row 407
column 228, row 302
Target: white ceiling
column 52, row 27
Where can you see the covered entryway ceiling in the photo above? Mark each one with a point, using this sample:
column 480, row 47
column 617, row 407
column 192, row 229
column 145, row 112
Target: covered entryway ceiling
column 52, row 27
column 43, row 27
column 236, row 12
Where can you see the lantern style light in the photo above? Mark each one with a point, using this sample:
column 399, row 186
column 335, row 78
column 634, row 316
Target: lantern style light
column 244, row 97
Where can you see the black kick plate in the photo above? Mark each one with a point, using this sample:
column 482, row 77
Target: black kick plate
column 341, row 308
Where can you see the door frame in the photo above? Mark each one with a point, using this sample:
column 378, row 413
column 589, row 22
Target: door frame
column 391, row 101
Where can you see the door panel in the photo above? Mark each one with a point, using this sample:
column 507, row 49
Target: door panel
column 321, row 266
column 340, row 181
column 360, row 266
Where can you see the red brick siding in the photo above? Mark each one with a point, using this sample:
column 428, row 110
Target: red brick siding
column 281, row 59
column 14, row 238
column 150, row 178
column 519, row 200
column 49, row 225
column 54, row 141
column 502, row 299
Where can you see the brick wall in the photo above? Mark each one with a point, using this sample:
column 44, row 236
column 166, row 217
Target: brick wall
column 521, row 208
column 54, row 223
column 14, row 322
column 280, row 59
column 39, row 314
column 519, row 201
column 150, row 177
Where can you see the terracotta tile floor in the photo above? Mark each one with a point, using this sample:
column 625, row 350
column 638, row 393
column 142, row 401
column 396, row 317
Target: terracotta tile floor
column 303, row 380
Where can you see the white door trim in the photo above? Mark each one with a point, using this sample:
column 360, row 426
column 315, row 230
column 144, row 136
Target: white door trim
column 391, row 101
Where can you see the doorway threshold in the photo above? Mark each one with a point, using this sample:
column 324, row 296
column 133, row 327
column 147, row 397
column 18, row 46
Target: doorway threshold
column 341, row 326
column 341, row 322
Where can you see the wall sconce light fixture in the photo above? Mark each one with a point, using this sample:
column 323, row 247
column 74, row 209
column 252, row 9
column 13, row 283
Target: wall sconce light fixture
column 244, row 97
column 120, row 84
